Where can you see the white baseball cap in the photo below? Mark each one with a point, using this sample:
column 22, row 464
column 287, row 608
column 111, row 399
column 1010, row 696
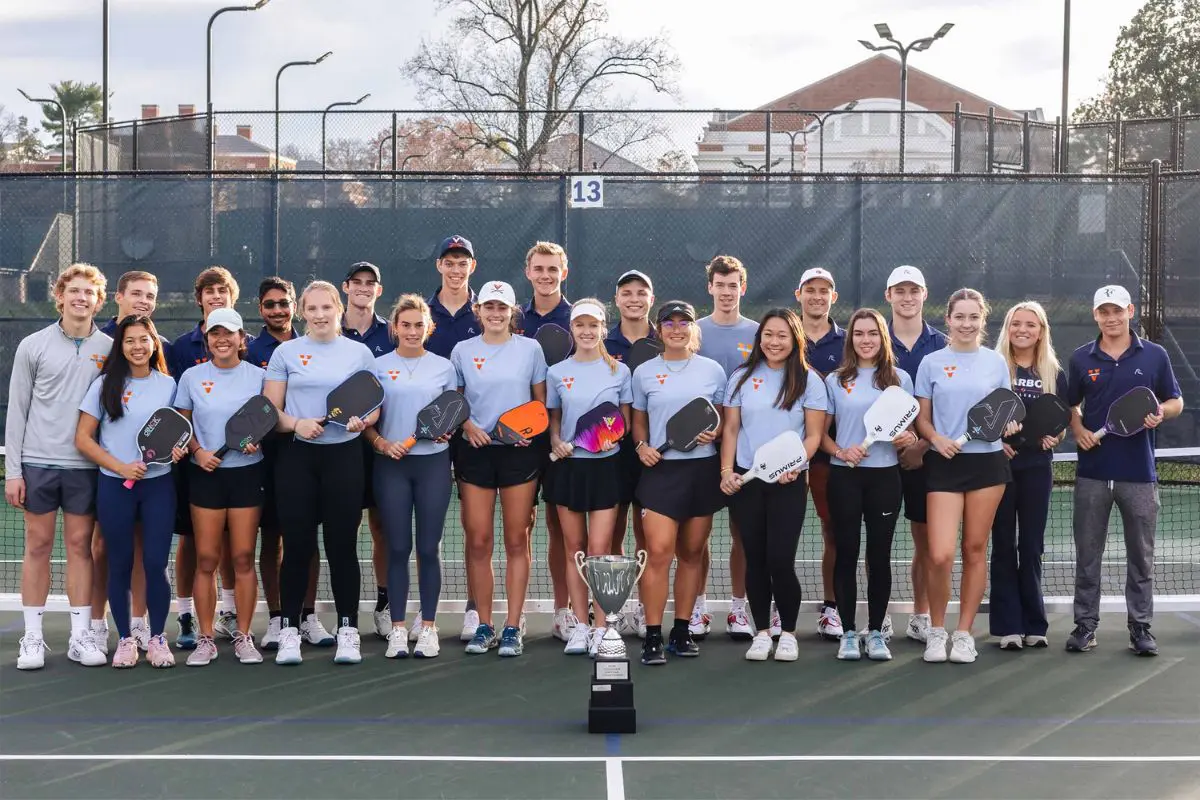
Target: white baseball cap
column 497, row 290
column 906, row 274
column 587, row 310
column 225, row 318
column 1112, row 294
column 817, row 272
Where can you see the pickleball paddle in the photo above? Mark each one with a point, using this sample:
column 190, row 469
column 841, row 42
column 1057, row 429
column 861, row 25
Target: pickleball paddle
column 686, row 424
column 783, row 454
column 249, row 425
column 357, row 396
column 522, row 423
column 441, row 417
column 1127, row 414
column 1045, row 415
column 988, row 418
column 642, row 351
column 555, row 341
column 889, row 416
column 165, row 430
column 603, row 424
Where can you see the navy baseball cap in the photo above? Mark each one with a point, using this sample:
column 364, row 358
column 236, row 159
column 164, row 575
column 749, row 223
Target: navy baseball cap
column 363, row 266
column 456, row 242
column 677, row 307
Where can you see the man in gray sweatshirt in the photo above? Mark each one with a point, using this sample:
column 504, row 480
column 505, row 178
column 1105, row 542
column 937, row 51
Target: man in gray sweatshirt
column 51, row 373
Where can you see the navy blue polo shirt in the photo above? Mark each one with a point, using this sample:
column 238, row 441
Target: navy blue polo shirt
column 259, row 351
column 110, row 329
column 618, row 346
column 560, row 315
column 450, row 329
column 378, row 338
column 825, row 354
column 1095, row 380
column 930, row 341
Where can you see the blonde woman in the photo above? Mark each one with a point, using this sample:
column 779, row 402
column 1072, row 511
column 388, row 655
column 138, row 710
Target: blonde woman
column 320, row 483
column 1018, row 615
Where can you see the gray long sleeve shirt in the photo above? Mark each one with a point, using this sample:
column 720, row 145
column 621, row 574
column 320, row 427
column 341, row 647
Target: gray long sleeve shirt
column 51, row 374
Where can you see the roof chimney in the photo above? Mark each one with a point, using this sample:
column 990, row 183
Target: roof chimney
column 149, row 111
column 244, row 131
column 186, row 109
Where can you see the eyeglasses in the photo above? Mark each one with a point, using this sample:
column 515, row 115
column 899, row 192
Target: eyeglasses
column 271, row 305
column 676, row 324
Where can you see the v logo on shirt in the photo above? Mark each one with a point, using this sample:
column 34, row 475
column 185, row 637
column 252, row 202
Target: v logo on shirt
column 757, row 382
column 125, row 398
column 305, row 358
column 745, row 349
column 98, row 360
column 1094, row 374
column 208, row 386
column 393, row 373
column 568, row 383
column 479, row 362
column 662, row 378
column 850, row 386
column 950, row 370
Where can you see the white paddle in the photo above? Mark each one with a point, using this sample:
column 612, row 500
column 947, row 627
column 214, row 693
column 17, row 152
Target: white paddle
column 785, row 453
column 889, row 416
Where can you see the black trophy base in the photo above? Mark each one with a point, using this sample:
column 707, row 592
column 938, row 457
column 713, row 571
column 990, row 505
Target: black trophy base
column 611, row 707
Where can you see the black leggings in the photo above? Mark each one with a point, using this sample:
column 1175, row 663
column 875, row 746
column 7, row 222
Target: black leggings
column 858, row 494
column 769, row 517
column 320, row 484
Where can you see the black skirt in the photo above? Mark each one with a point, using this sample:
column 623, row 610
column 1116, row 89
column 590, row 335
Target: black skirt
column 584, row 484
column 682, row 488
column 966, row 472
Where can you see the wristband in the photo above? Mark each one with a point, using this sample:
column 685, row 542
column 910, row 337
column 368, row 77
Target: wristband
column 639, row 446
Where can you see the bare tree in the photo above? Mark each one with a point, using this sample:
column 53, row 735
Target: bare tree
column 517, row 70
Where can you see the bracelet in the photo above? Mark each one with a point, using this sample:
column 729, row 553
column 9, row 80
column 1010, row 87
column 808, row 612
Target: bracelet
column 639, row 446
column 726, row 469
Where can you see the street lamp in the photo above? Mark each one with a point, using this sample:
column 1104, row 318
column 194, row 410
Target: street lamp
column 919, row 45
column 208, row 106
column 325, row 114
column 737, row 162
column 279, row 75
column 62, row 113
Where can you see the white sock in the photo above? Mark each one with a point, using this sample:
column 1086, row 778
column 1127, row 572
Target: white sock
column 100, row 625
column 737, row 602
column 139, row 622
column 33, row 619
column 185, row 605
column 227, row 602
column 81, row 616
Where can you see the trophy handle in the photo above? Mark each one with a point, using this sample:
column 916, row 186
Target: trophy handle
column 641, row 561
column 580, row 561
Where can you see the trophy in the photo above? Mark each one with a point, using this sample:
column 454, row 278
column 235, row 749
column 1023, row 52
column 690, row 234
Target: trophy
column 611, row 579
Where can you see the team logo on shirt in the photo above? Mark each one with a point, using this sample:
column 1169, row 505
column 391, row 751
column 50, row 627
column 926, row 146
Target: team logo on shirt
column 479, row 362
column 850, row 386
column 950, row 369
column 745, row 349
column 393, row 373
column 757, row 383
column 98, row 360
column 1094, row 374
column 662, row 378
column 305, row 358
column 125, row 398
column 568, row 383
column 208, row 385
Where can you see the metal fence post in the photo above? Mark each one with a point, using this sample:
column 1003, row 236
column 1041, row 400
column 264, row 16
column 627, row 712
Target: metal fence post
column 767, row 145
column 1176, row 136
column 581, row 140
column 1118, row 144
column 1026, row 148
column 991, row 138
column 135, row 145
column 958, row 123
column 395, row 139
column 1152, row 303
column 1060, row 146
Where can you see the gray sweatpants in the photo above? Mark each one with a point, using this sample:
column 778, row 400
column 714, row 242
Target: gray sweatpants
column 1138, row 504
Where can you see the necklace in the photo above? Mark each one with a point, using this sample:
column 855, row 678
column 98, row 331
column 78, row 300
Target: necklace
column 416, row 365
column 686, row 361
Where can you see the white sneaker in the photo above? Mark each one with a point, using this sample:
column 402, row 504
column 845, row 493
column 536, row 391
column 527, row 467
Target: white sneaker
column 523, row 625
column 348, row 651
column 313, row 632
column 829, row 624
column 100, row 637
column 397, row 644
column 288, row 650
column 564, row 621
column 962, row 648
column 918, row 627
column 225, row 625
column 627, row 626
column 935, row 645
column 594, row 642
column 737, row 624
column 578, row 641
column 787, row 649
column 383, row 622
column 776, row 629
column 270, row 641
column 639, row 621
column 428, row 645
column 470, row 625
column 32, row 654
column 887, row 630
column 414, row 632
column 1013, row 641
column 699, row 625
column 1034, row 640
column 83, row 649
column 139, row 629
column 760, row 647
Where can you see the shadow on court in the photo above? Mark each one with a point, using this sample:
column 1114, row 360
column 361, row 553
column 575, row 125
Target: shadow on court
column 815, row 728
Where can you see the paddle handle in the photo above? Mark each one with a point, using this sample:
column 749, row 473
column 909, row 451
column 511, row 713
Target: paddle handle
column 960, row 441
column 554, row 456
column 409, row 442
column 1100, row 434
column 128, row 484
column 221, row 451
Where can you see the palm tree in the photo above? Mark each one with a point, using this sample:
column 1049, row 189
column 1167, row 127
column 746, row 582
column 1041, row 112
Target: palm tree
column 80, row 101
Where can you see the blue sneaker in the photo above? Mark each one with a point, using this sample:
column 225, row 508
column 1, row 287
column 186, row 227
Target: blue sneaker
column 483, row 640
column 186, row 640
column 877, row 649
column 1141, row 640
column 512, row 644
column 1081, row 640
column 849, row 649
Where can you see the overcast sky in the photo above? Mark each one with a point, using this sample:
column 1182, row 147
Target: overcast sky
column 734, row 55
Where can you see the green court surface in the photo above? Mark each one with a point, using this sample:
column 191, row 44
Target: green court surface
column 1038, row 723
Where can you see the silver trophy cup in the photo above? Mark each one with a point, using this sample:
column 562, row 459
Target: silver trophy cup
column 611, row 579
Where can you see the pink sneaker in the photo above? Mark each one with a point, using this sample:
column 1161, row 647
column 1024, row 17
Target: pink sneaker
column 244, row 649
column 159, row 653
column 126, row 654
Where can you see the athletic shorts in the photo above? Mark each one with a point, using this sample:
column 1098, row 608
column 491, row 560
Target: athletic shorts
column 368, row 473
column 47, row 490
column 274, row 448
column 183, row 514
column 231, row 487
column 497, row 466
column 682, row 488
column 630, row 471
column 914, row 485
column 967, row 472
column 584, row 484
column 541, row 443
column 818, row 485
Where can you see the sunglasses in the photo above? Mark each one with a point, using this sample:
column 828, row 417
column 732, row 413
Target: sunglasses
column 271, row 305
column 676, row 324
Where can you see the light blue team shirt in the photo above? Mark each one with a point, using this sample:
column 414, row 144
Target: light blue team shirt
column 497, row 377
column 761, row 419
column 849, row 403
column 577, row 387
column 312, row 370
column 954, row 382
column 410, row 384
column 142, row 397
column 728, row 345
column 660, row 388
column 213, row 395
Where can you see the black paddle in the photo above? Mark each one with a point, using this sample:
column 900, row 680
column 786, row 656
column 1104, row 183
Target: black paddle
column 1127, row 415
column 988, row 418
column 641, row 351
column 686, row 424
column 165, row 430
column 1046, row 415
column 249, row 425
column 441, row 417
column 555, row 341
column 357, row 396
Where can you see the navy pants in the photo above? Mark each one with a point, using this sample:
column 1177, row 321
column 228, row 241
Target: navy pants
column 1018, row 539
column 151, row 501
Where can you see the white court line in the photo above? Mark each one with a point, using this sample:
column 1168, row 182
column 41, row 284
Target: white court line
column 614, row 779
column 724, row 758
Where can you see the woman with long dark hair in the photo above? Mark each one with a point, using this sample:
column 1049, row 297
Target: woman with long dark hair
column 864, row 485
column 774, row 391
column 133, row 384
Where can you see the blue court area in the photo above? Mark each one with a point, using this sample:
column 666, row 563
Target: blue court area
column 1036, row 723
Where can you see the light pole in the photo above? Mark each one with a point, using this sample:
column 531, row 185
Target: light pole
column 103, row 89
column 737, row 162
column 279, row 75
column 62, row 114
column 325, row 114
column 208, row 104
column 1066, row 82
column 919, row 45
